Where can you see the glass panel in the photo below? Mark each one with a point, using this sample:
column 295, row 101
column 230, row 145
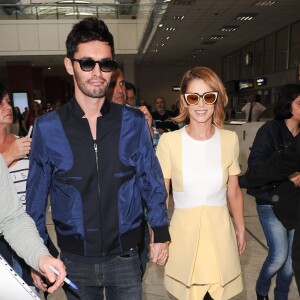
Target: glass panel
column 281, row 49
column 258, row 57
column 295, row 46
column 78, row 11
column 269, row 54
column 237, row 64
column 231, row 66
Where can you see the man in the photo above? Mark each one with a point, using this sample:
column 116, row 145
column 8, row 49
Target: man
column 130, row 93
column 280, row 167
column 162, row 117
column 97, row 158
column 20, row 232
column 116, row 91
column 253, row 109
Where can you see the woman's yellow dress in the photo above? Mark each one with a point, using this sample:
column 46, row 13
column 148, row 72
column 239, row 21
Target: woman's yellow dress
column 203, row 251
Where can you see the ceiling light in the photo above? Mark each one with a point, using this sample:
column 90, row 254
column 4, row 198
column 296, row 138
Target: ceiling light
column 197, row 50
column 229, row 28
column 179, row 18
column 170, row 28
column 217, row 37
column 264, row 3
column 245, row 17
column 167, row 37
column 160, row 25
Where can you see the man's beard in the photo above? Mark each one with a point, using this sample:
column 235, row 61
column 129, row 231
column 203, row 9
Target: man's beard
column 93, row 92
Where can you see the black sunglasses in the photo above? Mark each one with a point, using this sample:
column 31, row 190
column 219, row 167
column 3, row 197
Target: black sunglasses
column 88, row 65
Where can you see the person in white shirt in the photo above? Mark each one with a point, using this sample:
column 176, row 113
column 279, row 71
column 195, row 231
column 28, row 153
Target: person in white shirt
column 253, row 109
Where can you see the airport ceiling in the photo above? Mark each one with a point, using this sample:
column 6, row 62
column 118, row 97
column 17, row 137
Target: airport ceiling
column 183, row 32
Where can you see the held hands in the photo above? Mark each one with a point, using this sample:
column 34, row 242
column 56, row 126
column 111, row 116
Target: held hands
column 17, row 149
column 56, row 280
column 159, row 253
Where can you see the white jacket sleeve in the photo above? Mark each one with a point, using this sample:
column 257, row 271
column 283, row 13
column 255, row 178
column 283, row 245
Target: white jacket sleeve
column 18, row 228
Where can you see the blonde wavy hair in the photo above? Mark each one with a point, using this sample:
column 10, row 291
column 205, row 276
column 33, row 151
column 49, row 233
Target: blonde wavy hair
column 211, row 79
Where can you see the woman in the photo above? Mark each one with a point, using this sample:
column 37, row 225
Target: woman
column 18, row 126
column 34, row 112
column 273, row 137
column 14, row 151
column 201, row 159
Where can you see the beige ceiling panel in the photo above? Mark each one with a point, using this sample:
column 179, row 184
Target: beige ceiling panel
column 63, row 31
column 28, row 37
column 127, row 36
column 9, row 34
column 48, row 37
column 113, row 29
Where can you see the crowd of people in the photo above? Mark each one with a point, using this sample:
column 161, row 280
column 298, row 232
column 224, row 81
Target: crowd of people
column 109, row 164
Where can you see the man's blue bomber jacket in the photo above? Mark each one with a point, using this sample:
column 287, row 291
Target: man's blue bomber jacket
column 96, row 186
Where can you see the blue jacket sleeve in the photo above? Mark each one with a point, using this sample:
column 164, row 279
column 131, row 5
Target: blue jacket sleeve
column 153, row 187
column 38, row 181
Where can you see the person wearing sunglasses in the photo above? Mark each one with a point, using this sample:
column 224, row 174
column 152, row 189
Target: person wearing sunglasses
column 201, row 160
column 97, row 160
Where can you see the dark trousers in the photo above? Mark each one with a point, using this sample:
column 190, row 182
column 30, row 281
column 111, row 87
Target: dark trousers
column 119, row 275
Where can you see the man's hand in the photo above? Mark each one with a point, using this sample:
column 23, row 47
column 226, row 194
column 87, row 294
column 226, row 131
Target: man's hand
column 159, row 252
column 148, row 117
column 56, row 280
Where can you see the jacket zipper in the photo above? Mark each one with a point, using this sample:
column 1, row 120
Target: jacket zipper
column 98, row 185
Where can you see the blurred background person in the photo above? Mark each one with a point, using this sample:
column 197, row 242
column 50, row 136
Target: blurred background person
column 130, row 93
column 163, row 117
column 34, row 112
column 116, row 91
column 253, row 109
column 18, row 125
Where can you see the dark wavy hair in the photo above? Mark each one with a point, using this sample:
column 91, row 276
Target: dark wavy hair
column 287, row 95
column 87, row 30
column 3, row 91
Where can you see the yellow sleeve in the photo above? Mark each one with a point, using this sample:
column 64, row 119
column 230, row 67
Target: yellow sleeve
column 163, row 155
column 234, row 168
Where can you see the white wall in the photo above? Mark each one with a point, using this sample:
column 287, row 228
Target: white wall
column 45, row 37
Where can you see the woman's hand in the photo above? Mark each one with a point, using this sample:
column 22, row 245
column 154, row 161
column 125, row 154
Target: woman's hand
column 241, row 240
column 17, row 149
column 159, row 253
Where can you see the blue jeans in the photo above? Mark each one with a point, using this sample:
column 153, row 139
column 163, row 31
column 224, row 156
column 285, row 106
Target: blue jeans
column 278, row 261
column 119, row 275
